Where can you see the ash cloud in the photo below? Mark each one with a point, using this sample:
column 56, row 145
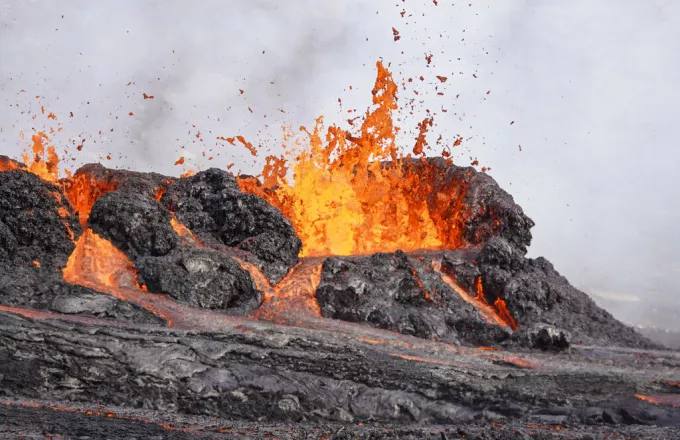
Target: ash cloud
column 591, row 87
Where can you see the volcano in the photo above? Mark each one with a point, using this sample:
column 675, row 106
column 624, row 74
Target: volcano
column 375, row 295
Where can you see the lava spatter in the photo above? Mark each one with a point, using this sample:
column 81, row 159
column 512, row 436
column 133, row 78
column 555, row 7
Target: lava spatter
column 345, row 200
column 83, row 190
column 44, row 161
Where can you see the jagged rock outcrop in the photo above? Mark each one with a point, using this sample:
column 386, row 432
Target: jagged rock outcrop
column 537, row 294
column 38, row 227
column 213, row 207
column 201, row 278
column 403, row 293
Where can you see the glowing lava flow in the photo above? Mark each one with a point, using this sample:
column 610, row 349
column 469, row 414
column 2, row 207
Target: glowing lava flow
column 7, row 164
column 293, row 296
column 346, row 201
column 183, row 231
column 295, row 293
column 667, row 399
column 83, row 190
column 498, row 317
column 97, row 264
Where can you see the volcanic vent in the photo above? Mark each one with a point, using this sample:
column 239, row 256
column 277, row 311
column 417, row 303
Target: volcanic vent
column 357, row 204
column 351, row 239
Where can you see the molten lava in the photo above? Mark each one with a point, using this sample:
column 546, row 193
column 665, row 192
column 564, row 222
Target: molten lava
column 345, row 194
column 498, row 315
column 83, row 190
column 295, row 294
column 664, row 399
column 96, row 261
column 344, row 198
column 97, row 264
column 7, row 164
column 44, row 161
column 183, row 231
column 501, row 309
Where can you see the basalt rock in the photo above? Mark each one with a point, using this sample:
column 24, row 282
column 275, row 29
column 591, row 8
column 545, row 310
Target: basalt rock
column 135, row 223
column 108, row 179
column 38, row 227
column 388, row 291
column 402, row 293
column 536, row 293
column 265, row 375
column 201, row 278
column 36, row 222
column 101, row 366
column 213, row 207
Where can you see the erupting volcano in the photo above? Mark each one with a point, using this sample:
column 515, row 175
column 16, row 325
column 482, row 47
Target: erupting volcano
column 351, row 281
column 356, row 193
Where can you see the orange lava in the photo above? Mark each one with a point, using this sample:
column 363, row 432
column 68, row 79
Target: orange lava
column 7, row 164
column 343, row 201
column 44, row 160
column 293, row 296
column 83, row 190
column 501, row 309
column 488, row 312
column 667, row 399
column 296, row 292
column 336, row 188
column 373, row 341
column 99, row 412
column 183, row 231
column 519, row 362
column 504, row 314
column 421, row 359
column 28, row 313
column 99, row 265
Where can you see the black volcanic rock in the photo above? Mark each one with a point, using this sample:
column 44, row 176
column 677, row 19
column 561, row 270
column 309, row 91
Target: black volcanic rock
column 201, row 278
column 547, row 337
column 36, row 222
column 537, row 294
column 213, row 207
column 137, row 224
column 382, row 290
column 266, row 374
column 208, row 375
column 386, row 290
column 125, row 180
column 134, row 222
column 398, row 292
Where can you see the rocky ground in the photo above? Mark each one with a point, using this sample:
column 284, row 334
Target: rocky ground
column 144, row 306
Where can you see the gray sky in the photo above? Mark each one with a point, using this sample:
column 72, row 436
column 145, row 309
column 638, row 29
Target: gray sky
column 591, row 86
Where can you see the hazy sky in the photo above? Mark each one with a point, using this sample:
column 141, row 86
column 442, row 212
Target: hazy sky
column 591, row 88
